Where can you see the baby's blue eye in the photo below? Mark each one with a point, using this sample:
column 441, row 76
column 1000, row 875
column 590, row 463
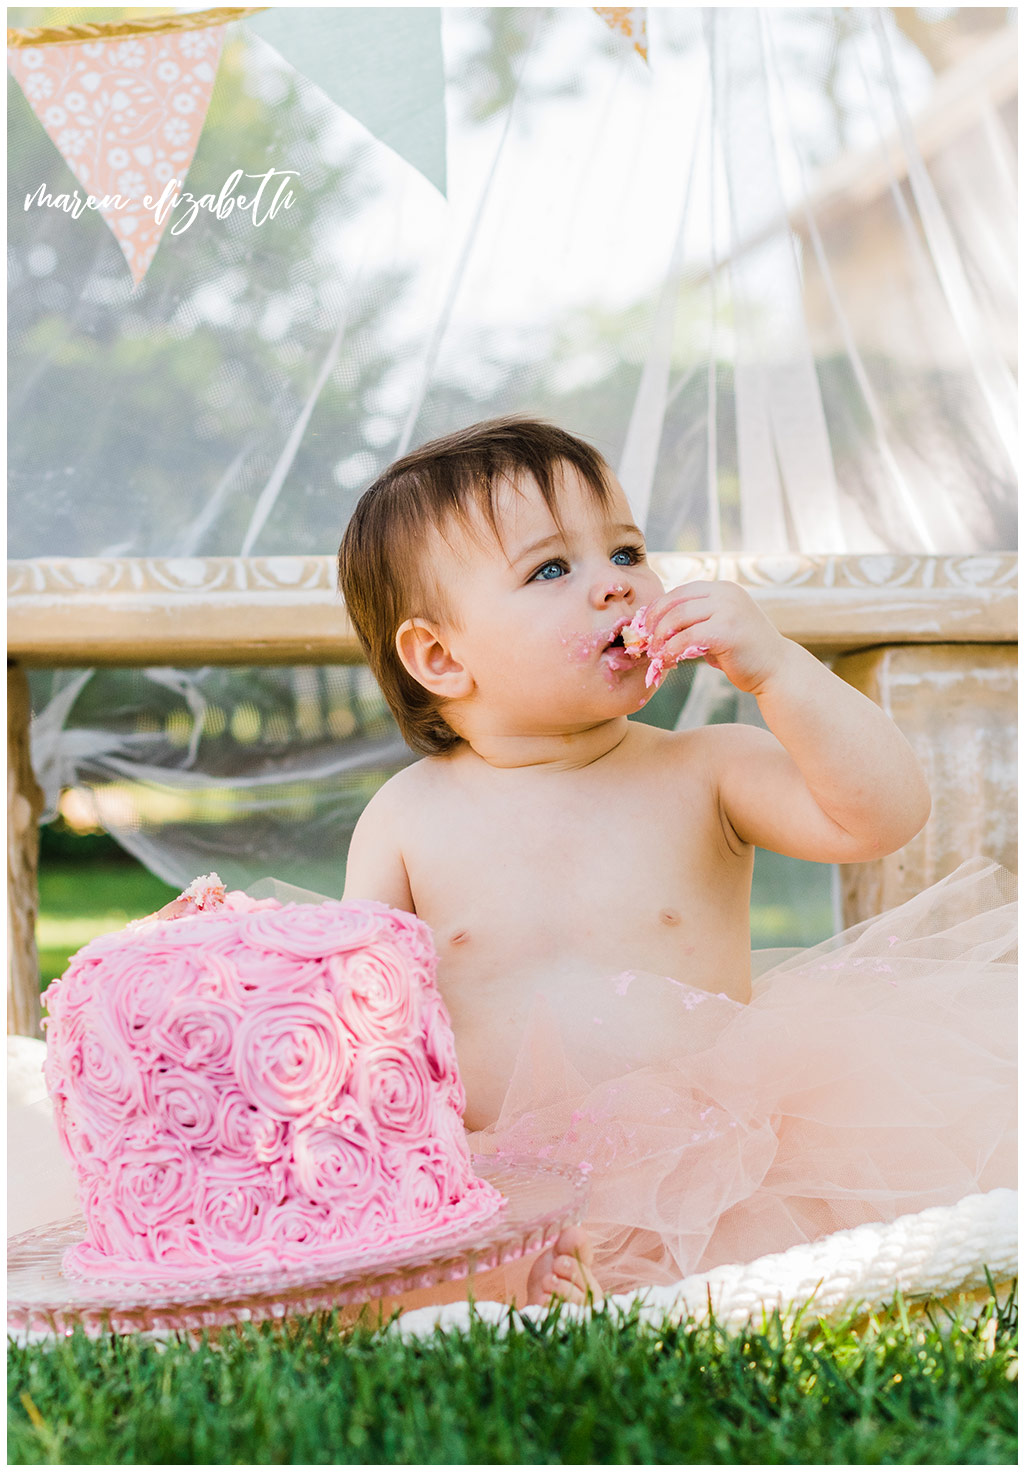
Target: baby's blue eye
column 631, row 554
column 545, row 575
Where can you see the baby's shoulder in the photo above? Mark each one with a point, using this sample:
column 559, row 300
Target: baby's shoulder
column 412, row 787
column 715, row 736
column 654, row 744
column 701, row 750
column 394, row 814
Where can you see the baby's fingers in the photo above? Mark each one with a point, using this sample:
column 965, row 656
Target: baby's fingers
column 677, row 611
column 687, row 645
column 173, row 910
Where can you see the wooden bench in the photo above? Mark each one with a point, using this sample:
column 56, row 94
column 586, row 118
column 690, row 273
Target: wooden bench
column 932, row 639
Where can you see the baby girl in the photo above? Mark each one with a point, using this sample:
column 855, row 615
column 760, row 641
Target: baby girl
column 494, row 578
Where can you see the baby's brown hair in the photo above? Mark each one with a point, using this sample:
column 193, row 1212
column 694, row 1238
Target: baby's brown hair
column 381, row 561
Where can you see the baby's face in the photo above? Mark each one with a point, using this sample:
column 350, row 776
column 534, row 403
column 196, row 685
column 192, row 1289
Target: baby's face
column 535, row 619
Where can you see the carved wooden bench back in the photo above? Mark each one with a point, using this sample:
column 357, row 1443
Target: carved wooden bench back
column 931, row 639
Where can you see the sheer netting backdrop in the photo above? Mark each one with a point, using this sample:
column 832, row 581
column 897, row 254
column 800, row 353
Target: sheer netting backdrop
column 771, row 275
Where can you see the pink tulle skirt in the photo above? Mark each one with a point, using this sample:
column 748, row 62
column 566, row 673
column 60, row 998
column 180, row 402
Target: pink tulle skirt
column 869, row 1076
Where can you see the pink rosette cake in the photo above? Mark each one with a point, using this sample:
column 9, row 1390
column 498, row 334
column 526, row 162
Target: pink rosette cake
column 256, row 1085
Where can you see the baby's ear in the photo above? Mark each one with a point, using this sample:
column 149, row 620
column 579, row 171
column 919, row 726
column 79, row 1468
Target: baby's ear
column 424, row 652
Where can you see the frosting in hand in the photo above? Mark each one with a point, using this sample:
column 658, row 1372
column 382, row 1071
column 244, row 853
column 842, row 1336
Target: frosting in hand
column 636, row 641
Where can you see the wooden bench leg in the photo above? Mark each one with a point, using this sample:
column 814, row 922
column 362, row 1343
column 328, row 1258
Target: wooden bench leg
column 957, row 706
column 24, row 805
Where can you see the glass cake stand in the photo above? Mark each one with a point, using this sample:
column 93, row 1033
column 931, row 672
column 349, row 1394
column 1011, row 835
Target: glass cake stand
column 541, row 1199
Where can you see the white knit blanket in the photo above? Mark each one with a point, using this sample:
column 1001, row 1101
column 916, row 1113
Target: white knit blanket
column 939, row 1253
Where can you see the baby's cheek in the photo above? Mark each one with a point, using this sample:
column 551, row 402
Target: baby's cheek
column 580, row 647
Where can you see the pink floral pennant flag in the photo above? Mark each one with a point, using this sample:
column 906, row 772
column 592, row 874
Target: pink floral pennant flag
column 629, row 22
column 126, row 115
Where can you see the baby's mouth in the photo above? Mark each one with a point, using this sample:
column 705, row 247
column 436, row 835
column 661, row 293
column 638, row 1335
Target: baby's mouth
column 619, row 654
column 616, row 641
column 610, row 645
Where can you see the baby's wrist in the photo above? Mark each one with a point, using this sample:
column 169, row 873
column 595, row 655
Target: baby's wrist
column 787, row 662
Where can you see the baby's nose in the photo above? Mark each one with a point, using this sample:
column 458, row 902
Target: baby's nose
column 610, row 591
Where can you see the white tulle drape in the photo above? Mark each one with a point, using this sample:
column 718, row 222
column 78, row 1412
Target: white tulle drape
column 771, row 277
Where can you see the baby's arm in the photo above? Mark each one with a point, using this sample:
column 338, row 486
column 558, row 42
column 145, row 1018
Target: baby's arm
column 375, row 869
column 836, row 781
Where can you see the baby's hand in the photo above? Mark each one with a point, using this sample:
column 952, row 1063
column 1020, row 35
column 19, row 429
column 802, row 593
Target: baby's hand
column 721, row 621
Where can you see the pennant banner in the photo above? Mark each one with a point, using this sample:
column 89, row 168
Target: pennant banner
column 125, row 101
column 126, row 116
column 631, row 23
column 383, row 65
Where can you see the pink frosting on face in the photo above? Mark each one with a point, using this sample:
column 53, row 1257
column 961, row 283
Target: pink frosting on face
column 256, row 1084
column 636, row 643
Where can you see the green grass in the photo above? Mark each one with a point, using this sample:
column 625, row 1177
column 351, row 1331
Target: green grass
column 612, row 1391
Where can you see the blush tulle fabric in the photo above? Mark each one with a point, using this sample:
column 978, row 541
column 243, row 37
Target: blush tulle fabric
column 869, row 1076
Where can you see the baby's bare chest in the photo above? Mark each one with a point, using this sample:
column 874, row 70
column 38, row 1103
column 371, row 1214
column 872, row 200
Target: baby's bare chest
column 521, row 870
column 553, row 891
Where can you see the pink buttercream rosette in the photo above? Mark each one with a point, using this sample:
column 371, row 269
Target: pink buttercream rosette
column 257, row 1085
